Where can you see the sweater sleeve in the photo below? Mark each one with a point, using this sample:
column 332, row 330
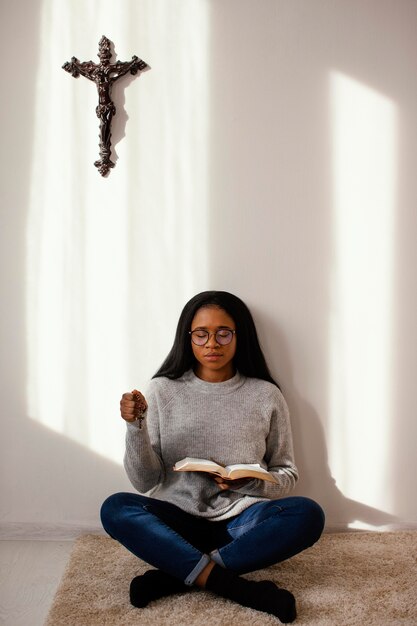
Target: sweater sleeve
column 142, row 460
column 279, row 456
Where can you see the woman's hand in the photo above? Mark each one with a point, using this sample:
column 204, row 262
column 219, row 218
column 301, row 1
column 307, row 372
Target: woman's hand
column 132, row 406
column 225, row 483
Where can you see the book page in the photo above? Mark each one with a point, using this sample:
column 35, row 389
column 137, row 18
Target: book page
column 245, row 466
column 250, row 471
column 202, row 465
column 238, row 470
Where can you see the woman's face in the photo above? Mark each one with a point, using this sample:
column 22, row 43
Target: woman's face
column 214, row 362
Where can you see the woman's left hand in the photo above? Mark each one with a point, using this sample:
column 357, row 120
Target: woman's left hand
column 225, row 483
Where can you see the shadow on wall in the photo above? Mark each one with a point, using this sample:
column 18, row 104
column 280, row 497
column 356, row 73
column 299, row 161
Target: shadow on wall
column 311, row 457
column 118, row 95
column 62, row 487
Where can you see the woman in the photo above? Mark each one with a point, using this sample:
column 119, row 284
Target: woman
column 213, row 398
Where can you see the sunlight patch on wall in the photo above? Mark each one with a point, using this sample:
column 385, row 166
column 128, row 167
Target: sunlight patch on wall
column 111, row 262
column 364, row 149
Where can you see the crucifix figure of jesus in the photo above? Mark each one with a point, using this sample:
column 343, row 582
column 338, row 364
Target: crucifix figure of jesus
column 104, row 74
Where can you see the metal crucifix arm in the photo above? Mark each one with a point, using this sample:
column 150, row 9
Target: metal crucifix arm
column 104, row 74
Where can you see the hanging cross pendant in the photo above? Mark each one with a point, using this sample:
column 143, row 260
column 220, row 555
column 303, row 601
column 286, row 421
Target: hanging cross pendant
column 104, row 75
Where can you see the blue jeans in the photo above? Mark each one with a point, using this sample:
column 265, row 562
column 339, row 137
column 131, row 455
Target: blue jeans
column 182, row 545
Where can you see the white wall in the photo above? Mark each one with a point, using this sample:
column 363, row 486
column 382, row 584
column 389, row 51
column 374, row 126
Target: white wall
column 269, row 151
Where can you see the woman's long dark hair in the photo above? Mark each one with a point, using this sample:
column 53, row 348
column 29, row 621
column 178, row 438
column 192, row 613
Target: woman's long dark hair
column 248, row 360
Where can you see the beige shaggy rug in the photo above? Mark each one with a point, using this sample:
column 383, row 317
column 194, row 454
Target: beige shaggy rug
column 366, row 579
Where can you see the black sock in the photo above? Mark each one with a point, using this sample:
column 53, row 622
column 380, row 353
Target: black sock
column 153, row 585
column 263, row 596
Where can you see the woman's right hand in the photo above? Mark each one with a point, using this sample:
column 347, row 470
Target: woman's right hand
column 132, row 406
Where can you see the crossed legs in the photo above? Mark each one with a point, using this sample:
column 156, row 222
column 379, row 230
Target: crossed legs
column 190, row 551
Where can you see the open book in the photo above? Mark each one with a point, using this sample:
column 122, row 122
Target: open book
column 232, row 472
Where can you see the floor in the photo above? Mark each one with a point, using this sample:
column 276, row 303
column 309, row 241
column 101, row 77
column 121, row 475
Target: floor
column 30, row 572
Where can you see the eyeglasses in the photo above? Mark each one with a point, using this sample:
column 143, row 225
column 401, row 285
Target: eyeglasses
column 223, row 336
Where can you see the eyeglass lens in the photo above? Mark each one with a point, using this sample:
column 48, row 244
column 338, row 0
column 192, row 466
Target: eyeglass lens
column 201, row 337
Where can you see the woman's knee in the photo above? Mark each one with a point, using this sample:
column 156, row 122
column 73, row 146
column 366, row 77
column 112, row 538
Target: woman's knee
column 116, row 509
column 314, row 518
column 112, row 510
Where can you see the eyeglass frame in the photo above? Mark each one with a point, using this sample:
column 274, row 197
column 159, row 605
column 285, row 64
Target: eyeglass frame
column 201, row 330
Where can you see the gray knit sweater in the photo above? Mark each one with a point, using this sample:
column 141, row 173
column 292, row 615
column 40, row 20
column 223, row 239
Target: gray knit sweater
column 242, row 420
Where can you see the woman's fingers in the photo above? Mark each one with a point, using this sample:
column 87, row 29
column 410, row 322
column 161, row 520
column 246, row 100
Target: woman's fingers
column 221, row 483
column 132, row 405
column 139, row 401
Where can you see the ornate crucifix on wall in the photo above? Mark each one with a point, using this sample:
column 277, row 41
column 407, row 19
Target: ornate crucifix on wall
column 104, row 74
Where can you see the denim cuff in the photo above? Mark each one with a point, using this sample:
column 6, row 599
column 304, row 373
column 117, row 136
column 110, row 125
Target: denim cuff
column 195, row 573
column 215, row 556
